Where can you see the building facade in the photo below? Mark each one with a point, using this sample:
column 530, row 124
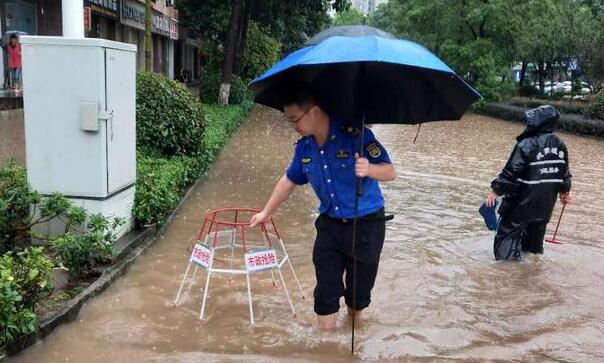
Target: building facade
column 174, row 48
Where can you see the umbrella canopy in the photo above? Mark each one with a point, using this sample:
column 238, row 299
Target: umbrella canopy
column 359, row 70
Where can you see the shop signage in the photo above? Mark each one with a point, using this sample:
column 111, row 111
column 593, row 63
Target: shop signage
column 87, row 19
column 107, row 8
column 133, row 15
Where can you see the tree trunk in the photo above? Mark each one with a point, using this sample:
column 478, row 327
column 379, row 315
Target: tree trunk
column 551, row 83
column 540, row 74
column 243, row 24
column 148, row 38
column 202, row 64
column 227, row 67
column 522, row 74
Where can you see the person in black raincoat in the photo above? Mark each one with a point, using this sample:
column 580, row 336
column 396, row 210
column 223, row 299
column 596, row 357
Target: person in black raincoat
column 536, row 173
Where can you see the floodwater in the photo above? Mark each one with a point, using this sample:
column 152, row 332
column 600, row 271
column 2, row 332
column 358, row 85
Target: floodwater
column 439, row 294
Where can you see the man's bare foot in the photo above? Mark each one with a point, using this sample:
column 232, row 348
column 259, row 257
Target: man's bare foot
column 327, row 322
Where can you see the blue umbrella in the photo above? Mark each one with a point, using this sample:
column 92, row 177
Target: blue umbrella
column 361, row 71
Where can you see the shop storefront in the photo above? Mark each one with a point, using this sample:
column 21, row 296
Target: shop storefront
column 34, row 17
column 132, row 16
column 20, row 16
column 102, row 19
column 187, row 55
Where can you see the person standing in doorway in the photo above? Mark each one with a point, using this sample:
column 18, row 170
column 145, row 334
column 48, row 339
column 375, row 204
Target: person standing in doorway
column 14, row 62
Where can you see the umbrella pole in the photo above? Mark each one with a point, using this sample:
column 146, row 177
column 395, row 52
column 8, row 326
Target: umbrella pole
column 358, row 194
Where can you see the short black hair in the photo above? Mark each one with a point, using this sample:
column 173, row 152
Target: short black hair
column 13, row 36
column 300, row 94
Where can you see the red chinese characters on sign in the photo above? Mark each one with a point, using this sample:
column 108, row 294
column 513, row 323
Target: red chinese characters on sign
column 87, row 19
column 201, row 255
column 173, row 29
column 263, row 260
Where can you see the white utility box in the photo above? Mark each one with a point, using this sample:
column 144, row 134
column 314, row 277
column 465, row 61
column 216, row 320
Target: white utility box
column 79, row 98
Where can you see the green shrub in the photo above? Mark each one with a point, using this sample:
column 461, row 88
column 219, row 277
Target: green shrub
column 573, row 123
column 574, row 107
column 493, row 90
column 261, row 51
column 222, row 122
column 527, row 90
column 161, row 181
column 25, row 277
column 16, row 199
column 577, row 87
column 240, row 92
column 169, row 118
column 595, row 109
column 159, row 186
column 83, row 254
column 14, row 204
column 210, row 86
column 31, row 271
column 212, row 55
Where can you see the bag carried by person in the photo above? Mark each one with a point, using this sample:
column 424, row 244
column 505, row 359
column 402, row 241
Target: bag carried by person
column 490, row 215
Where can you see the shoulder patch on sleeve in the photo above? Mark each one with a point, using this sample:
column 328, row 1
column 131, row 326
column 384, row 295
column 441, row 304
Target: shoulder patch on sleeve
column 374, row 150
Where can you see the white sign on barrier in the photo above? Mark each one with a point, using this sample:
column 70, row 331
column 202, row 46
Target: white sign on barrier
column 202, row 255
column 260, row 260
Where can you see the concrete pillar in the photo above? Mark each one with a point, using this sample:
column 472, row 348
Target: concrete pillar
column 73, row 18
column 183, row 56
column 141, row 50
column 171, row 58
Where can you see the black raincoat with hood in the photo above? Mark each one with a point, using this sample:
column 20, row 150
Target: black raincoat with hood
column 535, row 174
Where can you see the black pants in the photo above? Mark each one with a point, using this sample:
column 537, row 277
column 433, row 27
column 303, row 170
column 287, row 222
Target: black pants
column 332, row 257
column 532, row 240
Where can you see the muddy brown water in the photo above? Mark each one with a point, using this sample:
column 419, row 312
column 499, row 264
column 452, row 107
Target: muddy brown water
column 439, row 295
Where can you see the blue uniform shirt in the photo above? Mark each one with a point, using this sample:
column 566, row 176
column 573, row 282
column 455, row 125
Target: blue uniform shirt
column 330, row 170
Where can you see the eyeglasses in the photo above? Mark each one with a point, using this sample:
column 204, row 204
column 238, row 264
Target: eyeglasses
column 295, row 122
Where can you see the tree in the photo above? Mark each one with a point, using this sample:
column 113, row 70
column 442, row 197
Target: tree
column 261, row 52
column 227, row 67
column 148, row 38
column 474, row 37
column 244, row 21
column 384, row 16
column 595, row 64
column 289, row 22
column 350, row 16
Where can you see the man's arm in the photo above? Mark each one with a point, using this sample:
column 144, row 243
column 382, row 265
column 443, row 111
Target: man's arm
column 507, row 181
column 567, row 180
column 281, row 193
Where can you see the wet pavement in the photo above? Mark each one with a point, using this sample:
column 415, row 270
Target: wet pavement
column 439, row 295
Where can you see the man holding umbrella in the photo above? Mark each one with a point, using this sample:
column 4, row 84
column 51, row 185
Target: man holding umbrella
column 327, row 157
column 352, row 74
